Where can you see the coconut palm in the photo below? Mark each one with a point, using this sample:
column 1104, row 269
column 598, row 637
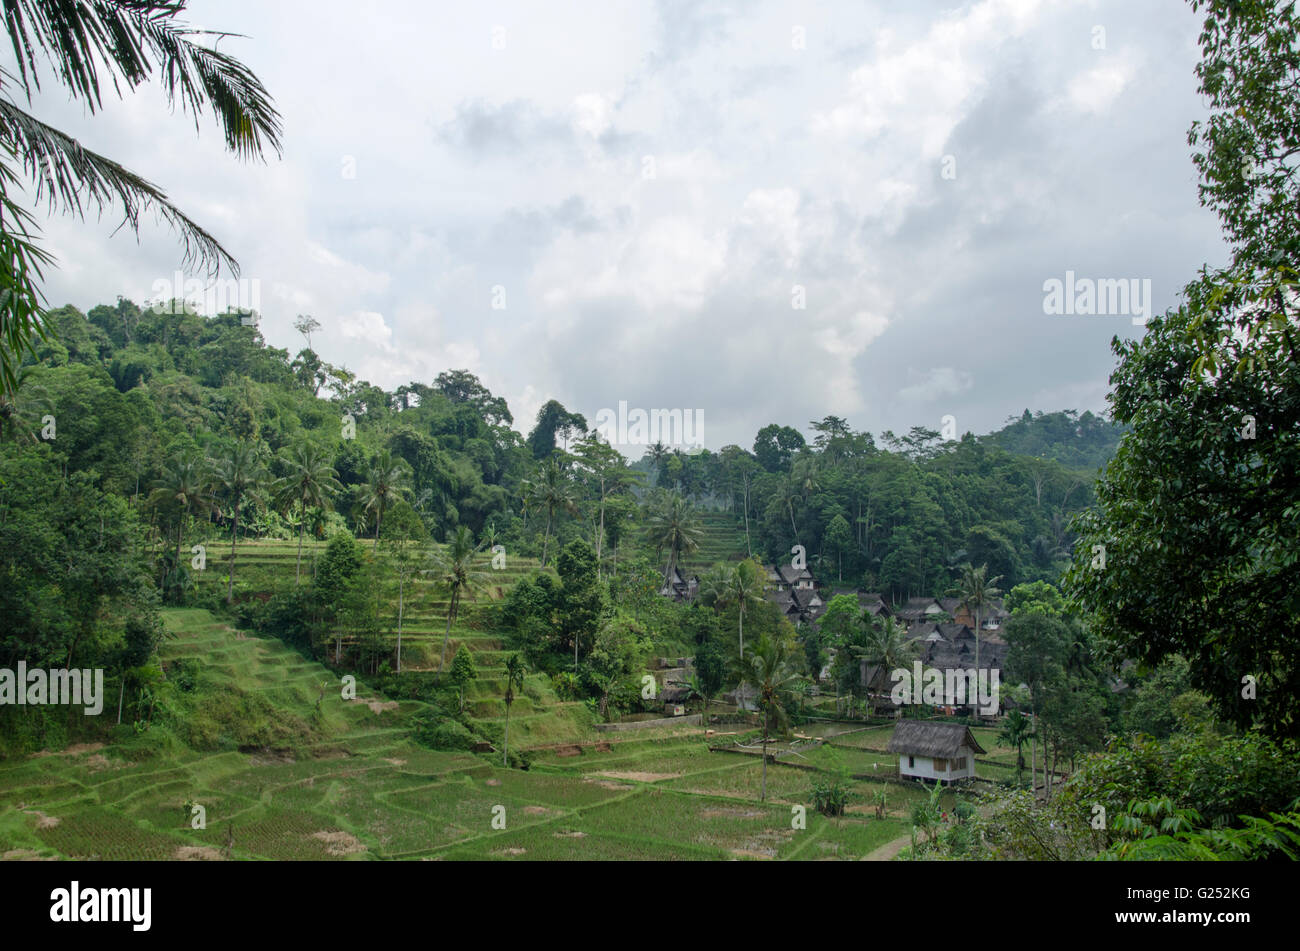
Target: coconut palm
column 1015, row 732
column 673, row 524
column 385, row 483
column 887, row 645
column 553, row 491
column 770, row 671
column 515, row 671
column 454, row 568
column 977, row 592
column 311, row 482
column 91, row 46
column 745, row 584
column 184, row 488
column 241, row 476
column 713, row 586
column 26, row 401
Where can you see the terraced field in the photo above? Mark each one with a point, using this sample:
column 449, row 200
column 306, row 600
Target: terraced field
column 538, row 717
column 358, row 788
column 722, row 539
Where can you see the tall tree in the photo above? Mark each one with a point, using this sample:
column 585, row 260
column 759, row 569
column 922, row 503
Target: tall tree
column 184, row 489
column 453, row 567
column 977, row 592
column 553, row 492
column 241, row 477
column 671, row 523
column 772, row 674
column 515, row 671
column 311, row 481
column 386, row 481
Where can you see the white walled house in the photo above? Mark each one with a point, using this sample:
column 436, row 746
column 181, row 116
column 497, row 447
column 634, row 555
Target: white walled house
column 932, row 751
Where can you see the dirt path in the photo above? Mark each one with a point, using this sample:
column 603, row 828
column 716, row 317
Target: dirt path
column 886, row 852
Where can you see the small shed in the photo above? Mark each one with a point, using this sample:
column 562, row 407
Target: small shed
column 930, row 750
column 674, row 699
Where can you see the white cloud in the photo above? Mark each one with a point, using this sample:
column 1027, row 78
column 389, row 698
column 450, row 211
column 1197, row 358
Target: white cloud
column 935, row 383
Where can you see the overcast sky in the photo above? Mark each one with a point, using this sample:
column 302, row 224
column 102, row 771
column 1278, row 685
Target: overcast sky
column 644, row 184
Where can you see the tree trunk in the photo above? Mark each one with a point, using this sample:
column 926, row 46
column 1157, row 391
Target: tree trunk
column 451, row 612
column 763, row 797
column 230, row 588
column 505, row 745
column 121, row 691
column 748, row 547
column 546, row 539
column 742, row 632
column 297, row 572
column 600, row 531
column 1033, row 758
column 401, row 584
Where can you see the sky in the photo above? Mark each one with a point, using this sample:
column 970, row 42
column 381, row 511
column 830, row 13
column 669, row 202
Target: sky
column 751, row 212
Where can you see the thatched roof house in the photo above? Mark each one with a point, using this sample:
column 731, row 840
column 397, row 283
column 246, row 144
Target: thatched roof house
column 932, row 750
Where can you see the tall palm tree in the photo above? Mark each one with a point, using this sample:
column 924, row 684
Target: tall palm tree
column 184, row 488
column 673, row 524
column 515, row 671
column 713, row 586
column 454, row 568
column 744, row 587
column 241, row 476
column 887, row 645
column 1015, row 731
column 385, row 483
column 311, row 481
column 771, row 673
column 977, row 591
column 91, row 46
column 554, row 492
column 657, row 453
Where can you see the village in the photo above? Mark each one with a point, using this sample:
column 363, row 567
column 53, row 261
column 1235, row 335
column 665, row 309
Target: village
column 945, row 674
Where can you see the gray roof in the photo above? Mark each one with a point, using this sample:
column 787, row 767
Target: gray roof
column 932, row 738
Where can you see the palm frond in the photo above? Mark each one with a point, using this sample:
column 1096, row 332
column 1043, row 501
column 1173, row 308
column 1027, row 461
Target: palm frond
column 71, row 178
column 80, row 37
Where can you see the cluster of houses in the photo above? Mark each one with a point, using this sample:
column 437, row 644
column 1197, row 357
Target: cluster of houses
column 940, row 630
column 942, row 633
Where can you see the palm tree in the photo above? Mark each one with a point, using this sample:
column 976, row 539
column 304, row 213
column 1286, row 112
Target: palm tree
column 745, row 584
column 887, row 645
column 184, row 487
column 241, row 477
column 976, row 591
column 772, row 675
column 91, row 46
column 1015, row 731
column 385, row 481
column 553, row 491
column 713, row 586
column 454, row 567
column 656, row 453
column 311, row 482
column 515, row 671
column 673, row 524
column 26, row 400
